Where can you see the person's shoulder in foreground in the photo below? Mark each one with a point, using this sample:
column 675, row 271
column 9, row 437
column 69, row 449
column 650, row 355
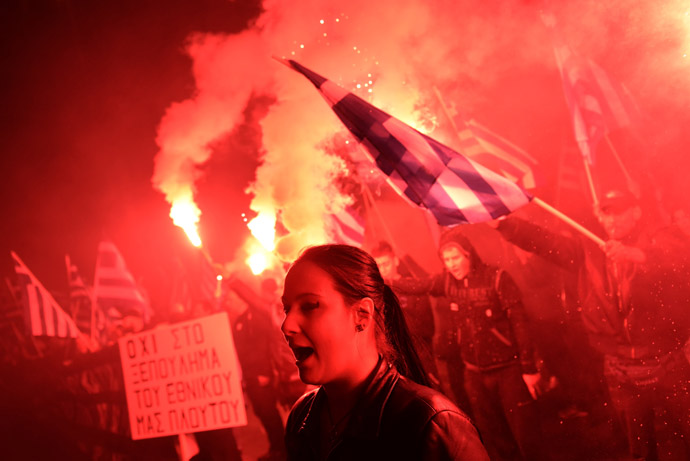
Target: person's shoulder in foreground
column 444, row 432
column 395, row 419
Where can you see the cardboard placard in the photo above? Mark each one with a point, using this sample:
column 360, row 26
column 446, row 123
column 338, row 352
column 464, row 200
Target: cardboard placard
column 182, row 378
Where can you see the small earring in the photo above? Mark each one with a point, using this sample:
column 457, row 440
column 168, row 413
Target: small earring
column 359, row 328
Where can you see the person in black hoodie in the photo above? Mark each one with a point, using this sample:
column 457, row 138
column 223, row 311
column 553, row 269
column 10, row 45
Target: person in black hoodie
column 501, row 377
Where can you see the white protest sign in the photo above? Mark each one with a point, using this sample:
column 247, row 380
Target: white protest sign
column 182, row 378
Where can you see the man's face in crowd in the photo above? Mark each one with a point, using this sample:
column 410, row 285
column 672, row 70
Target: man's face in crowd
column 388, row 266
column 456, row 261
column 619, row 222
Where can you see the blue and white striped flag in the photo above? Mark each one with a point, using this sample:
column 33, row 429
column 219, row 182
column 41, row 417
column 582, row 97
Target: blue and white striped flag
column 114, row 287
column 347, row 227
column 43, row 314
column 597, row 103
column 431, row 175
column 498, row 154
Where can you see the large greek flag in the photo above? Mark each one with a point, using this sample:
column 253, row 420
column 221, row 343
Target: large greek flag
column 431, row 175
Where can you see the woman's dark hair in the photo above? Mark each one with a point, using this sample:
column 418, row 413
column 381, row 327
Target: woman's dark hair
column 356, row 276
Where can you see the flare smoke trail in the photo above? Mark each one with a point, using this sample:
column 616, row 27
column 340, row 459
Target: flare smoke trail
column 393, row 53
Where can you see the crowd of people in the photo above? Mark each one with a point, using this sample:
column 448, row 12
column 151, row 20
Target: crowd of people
column 362, row 354
column 631, row 294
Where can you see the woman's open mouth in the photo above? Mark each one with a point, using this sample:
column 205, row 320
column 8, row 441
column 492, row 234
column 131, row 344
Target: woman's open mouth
column 302, row 353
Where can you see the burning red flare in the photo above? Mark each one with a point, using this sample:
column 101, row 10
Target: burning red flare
column 185, row 214
column 263, row 228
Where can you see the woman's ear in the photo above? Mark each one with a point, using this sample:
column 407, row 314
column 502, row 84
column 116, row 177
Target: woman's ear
column 364, row 312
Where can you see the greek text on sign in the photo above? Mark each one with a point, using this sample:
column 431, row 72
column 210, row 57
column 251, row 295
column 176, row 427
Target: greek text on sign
column 182, row 378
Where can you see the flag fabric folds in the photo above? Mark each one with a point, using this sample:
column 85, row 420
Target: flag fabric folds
column 43, row 314
column 347, row 226
column 597, row 104
column 115, row 289
column 453, row 188
column 498, row 154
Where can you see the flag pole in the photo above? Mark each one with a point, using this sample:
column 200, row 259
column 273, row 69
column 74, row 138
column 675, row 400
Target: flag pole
column 590, row 183
column 537, row 200
column 577, row 226
column 632, row 184
column 371, row 204
column 447, row 114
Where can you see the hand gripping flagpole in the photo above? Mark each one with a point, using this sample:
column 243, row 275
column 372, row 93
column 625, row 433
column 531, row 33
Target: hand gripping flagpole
column 590, row 182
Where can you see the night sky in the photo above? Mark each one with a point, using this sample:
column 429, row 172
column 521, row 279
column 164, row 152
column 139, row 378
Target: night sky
column 85, row 85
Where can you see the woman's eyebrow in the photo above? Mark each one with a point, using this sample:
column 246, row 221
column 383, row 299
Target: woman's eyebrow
column 300, row 296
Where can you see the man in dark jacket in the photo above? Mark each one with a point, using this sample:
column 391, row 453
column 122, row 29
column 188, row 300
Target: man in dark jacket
column 634, row 297
column 501, row 377
column 257, row 342
column 417, row 308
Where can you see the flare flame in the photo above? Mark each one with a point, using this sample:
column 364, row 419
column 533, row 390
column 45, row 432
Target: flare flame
column 263, row 228
column 258, row 262
column 185, row 214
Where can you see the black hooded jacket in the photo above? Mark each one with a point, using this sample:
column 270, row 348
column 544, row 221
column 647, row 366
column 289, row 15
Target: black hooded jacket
column 486, row 306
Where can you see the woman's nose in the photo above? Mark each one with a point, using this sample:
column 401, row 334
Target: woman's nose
column 289, row 325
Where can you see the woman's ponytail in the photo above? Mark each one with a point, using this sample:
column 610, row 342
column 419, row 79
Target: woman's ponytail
column 405, row 357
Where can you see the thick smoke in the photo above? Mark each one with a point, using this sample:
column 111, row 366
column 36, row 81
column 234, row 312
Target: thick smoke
column 394, row 54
